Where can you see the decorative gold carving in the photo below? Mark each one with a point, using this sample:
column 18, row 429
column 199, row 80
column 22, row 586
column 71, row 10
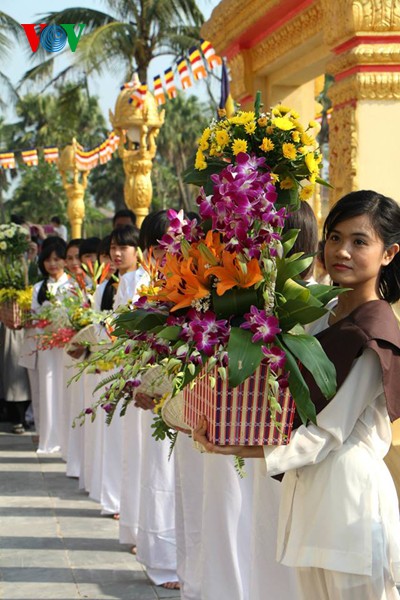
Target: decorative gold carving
column 238, row 72
column 145, row 122
column 366, row 86
column 232, row 17
column 288, row 37
column 74, row 183
column 344, row 19
column 366, row 54
column 343, row 152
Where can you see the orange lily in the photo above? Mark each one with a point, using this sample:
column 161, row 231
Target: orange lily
column 234, row 273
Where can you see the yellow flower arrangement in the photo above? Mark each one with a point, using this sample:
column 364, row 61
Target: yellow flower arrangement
column 290, row 150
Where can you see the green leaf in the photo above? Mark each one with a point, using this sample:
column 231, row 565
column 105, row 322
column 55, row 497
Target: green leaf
column 202, row 178
column 288, row 269
column 137, row 320
column 325, row 293
column 244, row 355
column 293, row 312
column 298, row 387
column 288, row 198
column 288, row 240
column 170, row 333
column 308, row 350
column 236, row 301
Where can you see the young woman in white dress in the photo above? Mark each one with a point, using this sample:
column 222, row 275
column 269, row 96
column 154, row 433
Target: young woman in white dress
column 50, row 362
column 339, row 518
column 156, row 542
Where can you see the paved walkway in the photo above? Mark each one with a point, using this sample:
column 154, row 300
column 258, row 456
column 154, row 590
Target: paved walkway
column 53, row 542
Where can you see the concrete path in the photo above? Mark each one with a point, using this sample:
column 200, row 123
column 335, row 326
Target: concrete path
column 53, row 542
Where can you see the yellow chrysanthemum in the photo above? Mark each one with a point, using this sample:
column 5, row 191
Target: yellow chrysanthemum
column 311, row 163
column 267, row 145
column 298, row 126
column 274, row 177
column 283, row 123
column 289, row 151
column 307, row 140
column 316, row 126
column 269, row 129
column 250, row 127
column 280, row 110
column 294, row 114
column 239, row 146
column 205, row 135
column 222, row 137
column 306, row 192
column 242, row 118
column 203, row 145
column 302, row 149
column 200, row 163
column 287, row 184
column 262, row 122
column 160, row 403
column 295, row 136
column 313, row 177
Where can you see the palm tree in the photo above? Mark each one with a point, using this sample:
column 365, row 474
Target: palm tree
column 176, row 142
column 8, row 27
column 129, row 37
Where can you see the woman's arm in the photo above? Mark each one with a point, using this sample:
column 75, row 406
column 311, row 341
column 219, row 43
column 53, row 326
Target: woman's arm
column 311, row 444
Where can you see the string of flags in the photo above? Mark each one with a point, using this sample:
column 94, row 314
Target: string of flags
column 85, row 159
column 196, row 72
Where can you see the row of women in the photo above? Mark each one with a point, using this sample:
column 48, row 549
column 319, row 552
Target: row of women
column 331, row 529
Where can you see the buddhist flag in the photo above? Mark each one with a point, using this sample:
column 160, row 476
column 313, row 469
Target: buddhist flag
column 7, row 160
column 211, row 57
column 170, row 83
column 199, row 71
column 158, row 90
column 50, row 154
column 30, row 157
column 226, row 104
column 139, row 95
column 113, row 141
column 183, row 71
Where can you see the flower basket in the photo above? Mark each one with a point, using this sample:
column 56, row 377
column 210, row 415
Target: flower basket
column 12, row 315
column 241, row 415
column 93, row 336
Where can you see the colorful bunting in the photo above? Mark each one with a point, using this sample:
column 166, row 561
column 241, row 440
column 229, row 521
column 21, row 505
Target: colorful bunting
column 211, row 57
column 183, row 71
column 170, row 83
column 7, row 160
column 198, row 69
column 51, row 154
column 138, row 96
column 30, row 157
column 158, row 90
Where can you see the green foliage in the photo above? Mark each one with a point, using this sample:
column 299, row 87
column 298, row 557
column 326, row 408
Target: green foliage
column 39, row 194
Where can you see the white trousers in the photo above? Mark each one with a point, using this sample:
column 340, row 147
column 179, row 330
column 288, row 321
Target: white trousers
column 321, row 584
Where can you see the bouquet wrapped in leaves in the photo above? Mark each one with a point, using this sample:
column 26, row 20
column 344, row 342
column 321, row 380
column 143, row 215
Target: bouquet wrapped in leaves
column 226, row 301
column 15, row 293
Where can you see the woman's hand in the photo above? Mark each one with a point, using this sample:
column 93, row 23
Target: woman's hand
column 200, row 436
column 144, row 401
column 77, row 351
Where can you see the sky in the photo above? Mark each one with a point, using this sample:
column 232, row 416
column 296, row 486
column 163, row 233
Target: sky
column 105, row 87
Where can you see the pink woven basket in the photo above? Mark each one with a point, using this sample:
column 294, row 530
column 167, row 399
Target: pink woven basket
column 12, row 315
column 239, row 416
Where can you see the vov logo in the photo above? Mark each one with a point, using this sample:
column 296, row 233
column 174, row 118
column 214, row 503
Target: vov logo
column 52, row 37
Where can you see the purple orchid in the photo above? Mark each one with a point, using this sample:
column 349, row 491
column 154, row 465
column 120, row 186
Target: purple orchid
column 264, row 327
column 276, row 357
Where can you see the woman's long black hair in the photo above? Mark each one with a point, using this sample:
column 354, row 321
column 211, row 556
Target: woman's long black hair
column 50, row 245
column 384, row 214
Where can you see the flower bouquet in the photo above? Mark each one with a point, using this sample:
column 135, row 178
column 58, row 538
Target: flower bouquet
column 224, row 312
column 15, row 294
column 63, row 317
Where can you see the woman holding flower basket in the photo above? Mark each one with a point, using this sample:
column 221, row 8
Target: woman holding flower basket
column 339, row 518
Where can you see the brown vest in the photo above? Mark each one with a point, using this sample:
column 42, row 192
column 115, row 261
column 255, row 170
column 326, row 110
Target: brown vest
column 371, row 325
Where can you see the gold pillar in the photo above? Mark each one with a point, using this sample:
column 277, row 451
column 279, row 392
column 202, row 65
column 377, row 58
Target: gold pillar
column 364, row 127
column 74, row 183
column 138, row 128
